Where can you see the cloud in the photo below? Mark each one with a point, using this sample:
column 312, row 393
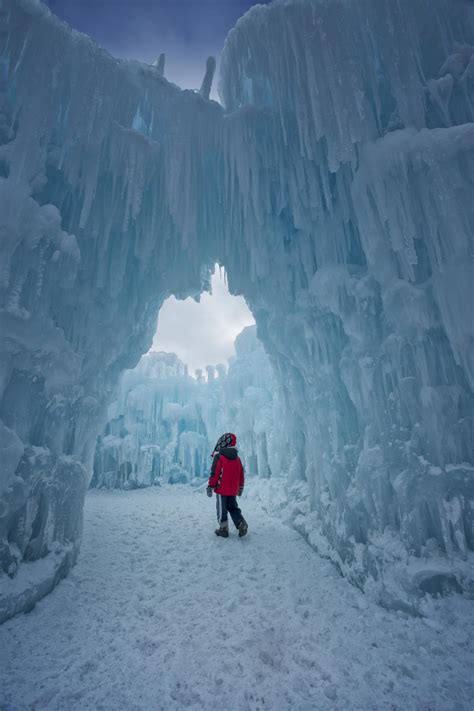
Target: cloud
column 202, row 333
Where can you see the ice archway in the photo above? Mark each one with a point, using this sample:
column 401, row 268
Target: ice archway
column 336, row 190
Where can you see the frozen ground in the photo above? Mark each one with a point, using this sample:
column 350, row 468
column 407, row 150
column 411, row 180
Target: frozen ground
column 160, row 614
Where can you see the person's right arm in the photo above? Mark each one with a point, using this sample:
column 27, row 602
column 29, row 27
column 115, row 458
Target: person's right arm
column 214, row 472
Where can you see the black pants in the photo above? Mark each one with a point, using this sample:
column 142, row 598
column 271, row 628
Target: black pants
column 225, row 505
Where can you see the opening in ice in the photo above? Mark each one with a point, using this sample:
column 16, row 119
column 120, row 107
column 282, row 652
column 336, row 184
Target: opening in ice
column 163, row 422
column 202, row 332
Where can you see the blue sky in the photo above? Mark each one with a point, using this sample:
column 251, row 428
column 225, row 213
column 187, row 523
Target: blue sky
column 188, row 31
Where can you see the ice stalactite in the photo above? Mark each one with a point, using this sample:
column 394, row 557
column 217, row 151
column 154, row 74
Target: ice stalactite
column 335, row 190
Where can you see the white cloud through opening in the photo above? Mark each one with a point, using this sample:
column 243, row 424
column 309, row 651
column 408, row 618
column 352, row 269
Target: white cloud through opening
column 202, row 333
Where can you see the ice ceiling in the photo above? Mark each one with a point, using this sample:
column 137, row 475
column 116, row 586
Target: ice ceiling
column 336, row 189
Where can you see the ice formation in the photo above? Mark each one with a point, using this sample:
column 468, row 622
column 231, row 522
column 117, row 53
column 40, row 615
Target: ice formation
column 155, row 432
column 336, row 189
column 163, row 424
column 248, row 400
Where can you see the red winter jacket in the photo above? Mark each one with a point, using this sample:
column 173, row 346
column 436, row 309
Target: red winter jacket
column 227, row 472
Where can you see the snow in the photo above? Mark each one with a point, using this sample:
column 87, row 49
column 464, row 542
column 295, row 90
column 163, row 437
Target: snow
column 159, row 613
column 335, row 187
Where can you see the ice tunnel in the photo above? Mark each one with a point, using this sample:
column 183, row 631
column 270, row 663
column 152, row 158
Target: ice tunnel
column 335, row 186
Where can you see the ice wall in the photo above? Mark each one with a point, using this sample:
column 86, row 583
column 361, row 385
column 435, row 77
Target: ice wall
column 349, row 173
column 106, row 185
column 155, row 432
column 336, row 190
column 247, row 401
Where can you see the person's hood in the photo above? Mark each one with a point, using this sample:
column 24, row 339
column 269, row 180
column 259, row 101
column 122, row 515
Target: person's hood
column 229, row 452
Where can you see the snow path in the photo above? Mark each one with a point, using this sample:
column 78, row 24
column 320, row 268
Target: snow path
column 161, row 614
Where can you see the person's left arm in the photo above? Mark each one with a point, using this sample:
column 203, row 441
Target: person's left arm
column 242, row 479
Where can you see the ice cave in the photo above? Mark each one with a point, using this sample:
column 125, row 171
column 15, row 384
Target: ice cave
column 334, row 184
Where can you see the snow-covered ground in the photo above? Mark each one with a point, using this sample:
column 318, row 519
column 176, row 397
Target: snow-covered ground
column 161, row 614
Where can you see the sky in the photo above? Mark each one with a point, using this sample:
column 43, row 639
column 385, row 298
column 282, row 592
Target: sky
column 187, row 31
column 202, row 333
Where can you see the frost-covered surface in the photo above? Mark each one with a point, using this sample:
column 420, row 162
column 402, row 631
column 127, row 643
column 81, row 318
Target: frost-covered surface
column 402, row 584
column 336, row 188
column 160, row 614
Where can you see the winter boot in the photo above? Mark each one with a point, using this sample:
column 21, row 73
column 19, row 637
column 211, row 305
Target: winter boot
column 243, row 528
column 223, row 530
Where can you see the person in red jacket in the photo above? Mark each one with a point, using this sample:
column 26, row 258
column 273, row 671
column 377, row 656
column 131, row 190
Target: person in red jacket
column 227, row 480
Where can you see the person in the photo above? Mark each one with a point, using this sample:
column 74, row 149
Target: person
column 227, row 480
